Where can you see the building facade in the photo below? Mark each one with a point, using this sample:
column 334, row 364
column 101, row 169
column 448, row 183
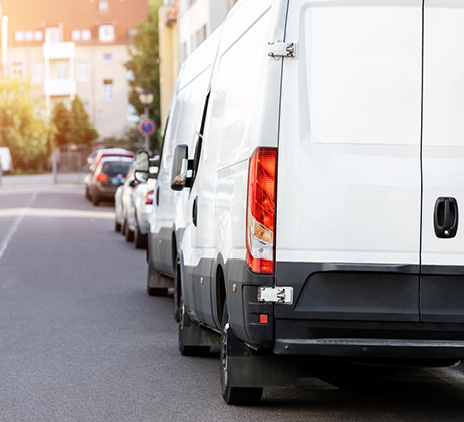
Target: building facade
column 183, row 26
column 74, row 47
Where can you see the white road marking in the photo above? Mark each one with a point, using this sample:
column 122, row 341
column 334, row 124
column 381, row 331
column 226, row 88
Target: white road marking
column 11, row 232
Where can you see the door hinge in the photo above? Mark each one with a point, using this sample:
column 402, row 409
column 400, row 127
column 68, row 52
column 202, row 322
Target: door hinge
column 278, row 49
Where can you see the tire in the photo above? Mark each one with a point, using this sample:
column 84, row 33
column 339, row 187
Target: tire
column 129, row 234
column 242, row 396
column 184, row 326
column 140, row 240
column 154, row 278
column 177, row 289
column 95, row 199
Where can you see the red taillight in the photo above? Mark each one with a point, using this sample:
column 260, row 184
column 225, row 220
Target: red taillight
column 261, row 210
column 101, row 177
column 149, row 197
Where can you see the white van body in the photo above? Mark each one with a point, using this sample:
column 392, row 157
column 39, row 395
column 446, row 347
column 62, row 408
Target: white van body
column 5, row 160
column 167, row 221
column 361, row 105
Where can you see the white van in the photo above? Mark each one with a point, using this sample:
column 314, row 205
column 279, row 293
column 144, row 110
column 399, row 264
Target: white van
column 168, row 219
column 5, row 160
column 324, row 194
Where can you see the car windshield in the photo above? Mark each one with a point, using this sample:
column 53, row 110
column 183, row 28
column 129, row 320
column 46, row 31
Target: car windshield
column 115, row 168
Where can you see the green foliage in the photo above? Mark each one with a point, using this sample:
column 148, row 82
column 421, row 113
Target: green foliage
column 82, row 131
column 72, row 127
column 144, row 64
column 21, row 130
column 62, row 124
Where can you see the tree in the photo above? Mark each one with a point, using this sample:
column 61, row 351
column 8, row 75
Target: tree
column 82, row 131
column 144, row 64
column 21, row 130
column 62, row 124
column 72, row 126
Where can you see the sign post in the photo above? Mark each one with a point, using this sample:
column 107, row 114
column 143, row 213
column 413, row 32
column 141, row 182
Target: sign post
column 147, row 127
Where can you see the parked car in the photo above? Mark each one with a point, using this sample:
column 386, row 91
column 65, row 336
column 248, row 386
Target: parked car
column 93, row 161
column 5, row 160
column 123, row 208
column 323, row 193
column 142, row 199
column 184, row 123
column 108, row 175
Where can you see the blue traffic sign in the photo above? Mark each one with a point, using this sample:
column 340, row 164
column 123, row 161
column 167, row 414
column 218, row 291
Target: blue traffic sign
column 147, row 127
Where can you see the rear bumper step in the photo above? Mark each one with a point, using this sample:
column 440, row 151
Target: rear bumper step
column 387, row 348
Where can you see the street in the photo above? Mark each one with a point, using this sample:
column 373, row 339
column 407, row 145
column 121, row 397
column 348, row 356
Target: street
column 82, row 341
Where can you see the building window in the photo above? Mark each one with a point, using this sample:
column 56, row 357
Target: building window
column 37, row 72
column 107, row 58
column 82, row 72
column 132, row 115
column 19, row 36
column 132, row 33
column 106, row 33
column 76, row 35
column 62, row 69
column 29, row 36
column 86, row 35
column 103, row 6
column 52, row 35
column 108, row 92
column 86, row 105
column 17, row 70
column 201, row 35
column 38, row 35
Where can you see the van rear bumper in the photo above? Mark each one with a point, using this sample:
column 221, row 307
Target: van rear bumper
column 371, row 312
column 371, row 348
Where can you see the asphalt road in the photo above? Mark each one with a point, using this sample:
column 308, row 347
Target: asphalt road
column 81, row 341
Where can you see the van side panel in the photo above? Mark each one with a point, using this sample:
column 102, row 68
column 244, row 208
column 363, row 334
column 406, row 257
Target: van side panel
column 184, row 123
column 241, row 80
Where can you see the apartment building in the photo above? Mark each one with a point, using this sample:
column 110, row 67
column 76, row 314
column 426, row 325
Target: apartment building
column 74, row 47
column 183, row 26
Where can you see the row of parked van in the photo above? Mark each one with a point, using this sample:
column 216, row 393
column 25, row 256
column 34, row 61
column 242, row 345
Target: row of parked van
column 307, row 201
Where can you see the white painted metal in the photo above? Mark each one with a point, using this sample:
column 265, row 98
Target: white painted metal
column 443, row 134
column 349, row 179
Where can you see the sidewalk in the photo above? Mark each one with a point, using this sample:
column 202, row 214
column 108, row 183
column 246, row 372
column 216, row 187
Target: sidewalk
column 41, row 180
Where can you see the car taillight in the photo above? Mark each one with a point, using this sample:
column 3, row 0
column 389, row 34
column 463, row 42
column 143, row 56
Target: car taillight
column 149, row 197
column 261, row 210
column 101, row 177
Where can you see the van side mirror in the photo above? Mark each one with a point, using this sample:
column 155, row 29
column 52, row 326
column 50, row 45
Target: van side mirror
column 180, row 168
column 142, row 166
column 154, row 166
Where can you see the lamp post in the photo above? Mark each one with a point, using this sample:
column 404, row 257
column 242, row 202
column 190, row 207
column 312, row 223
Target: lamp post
column 146, row 98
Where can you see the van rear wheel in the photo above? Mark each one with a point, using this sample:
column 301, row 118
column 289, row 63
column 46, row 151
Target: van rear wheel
column 241, row 396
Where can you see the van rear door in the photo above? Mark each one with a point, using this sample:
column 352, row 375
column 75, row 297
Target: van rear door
column 442, row 280
column 349, row 168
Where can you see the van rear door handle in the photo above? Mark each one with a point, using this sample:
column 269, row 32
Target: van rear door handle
column 195, row 211
column 446, row 217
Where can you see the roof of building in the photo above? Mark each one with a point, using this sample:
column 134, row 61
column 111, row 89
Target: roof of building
column 32, row 15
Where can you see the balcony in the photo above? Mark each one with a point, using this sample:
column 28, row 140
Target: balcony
column 59, row 50
column 61, row 87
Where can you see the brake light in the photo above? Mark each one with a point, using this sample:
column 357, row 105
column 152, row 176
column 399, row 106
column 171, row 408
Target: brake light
column 149, row 197
column 101, row 177
column 261, row 210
